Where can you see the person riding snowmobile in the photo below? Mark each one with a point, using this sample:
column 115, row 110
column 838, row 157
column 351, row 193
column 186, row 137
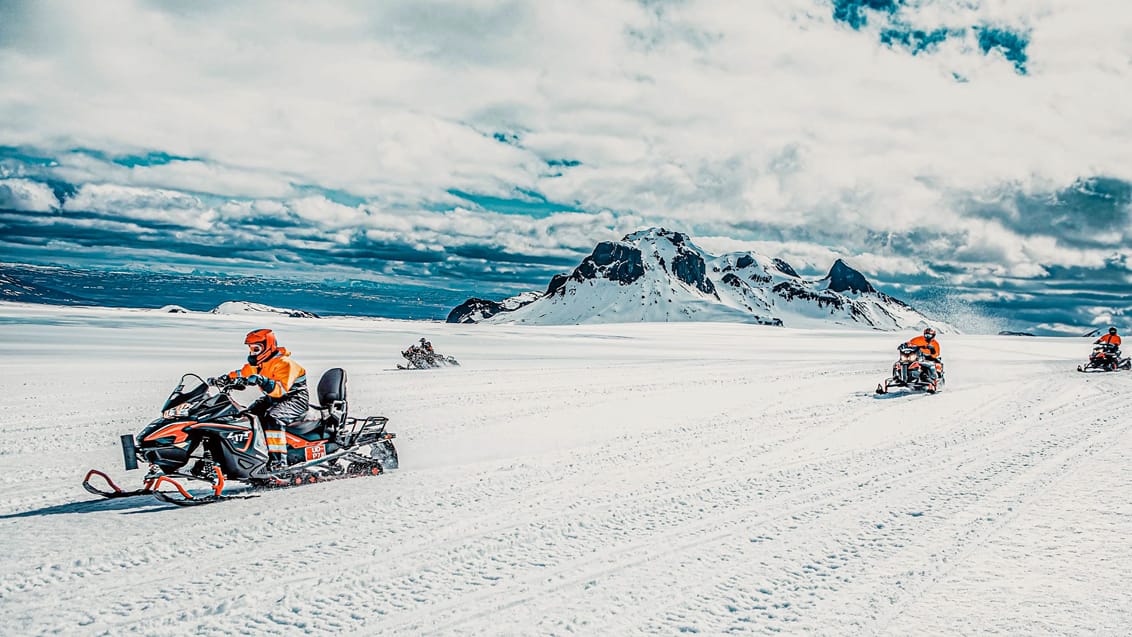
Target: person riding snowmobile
column 284, row 384
column 428, row 352
column 929, row 349
column 1112, row 339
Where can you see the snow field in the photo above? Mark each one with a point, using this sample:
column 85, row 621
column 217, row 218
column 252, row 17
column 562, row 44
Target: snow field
column 619, row 479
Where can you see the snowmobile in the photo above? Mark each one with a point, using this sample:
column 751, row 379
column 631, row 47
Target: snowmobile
column 422, row 357
column 203, row 434
column 1105, row 358
column 911, row 370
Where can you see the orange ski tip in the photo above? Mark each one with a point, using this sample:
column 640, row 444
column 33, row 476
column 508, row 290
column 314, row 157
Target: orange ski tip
column 177, row 485
column 96, row 472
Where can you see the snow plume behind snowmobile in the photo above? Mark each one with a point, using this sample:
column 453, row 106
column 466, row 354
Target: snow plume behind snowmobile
column 911, row 371
column 1105, row 358
column 204, row 435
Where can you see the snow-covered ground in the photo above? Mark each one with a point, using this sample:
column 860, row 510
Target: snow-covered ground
column 612, row 480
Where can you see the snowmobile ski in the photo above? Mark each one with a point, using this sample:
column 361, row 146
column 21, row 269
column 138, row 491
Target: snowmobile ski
column 118, row 492
column 284, row 479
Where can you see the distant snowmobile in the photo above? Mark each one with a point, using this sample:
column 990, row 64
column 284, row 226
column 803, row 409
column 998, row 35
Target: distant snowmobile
column 1105, row 358
column 207, row 436
column 911, row 371
column 422, row 356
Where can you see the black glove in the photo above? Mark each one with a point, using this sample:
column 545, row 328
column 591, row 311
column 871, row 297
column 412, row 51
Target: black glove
column 263, row 382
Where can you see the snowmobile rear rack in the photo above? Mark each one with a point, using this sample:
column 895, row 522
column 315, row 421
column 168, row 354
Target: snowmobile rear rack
column 353, row 427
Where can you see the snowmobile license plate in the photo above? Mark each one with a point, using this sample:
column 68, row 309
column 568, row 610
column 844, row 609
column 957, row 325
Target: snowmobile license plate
column 314, row 452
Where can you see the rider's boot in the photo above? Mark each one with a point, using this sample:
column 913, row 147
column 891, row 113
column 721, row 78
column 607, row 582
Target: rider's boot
column 277, row 462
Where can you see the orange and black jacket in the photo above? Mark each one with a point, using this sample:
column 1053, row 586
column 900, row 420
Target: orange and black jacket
column 927, row 348
column 1110, row 339
column 284, row 377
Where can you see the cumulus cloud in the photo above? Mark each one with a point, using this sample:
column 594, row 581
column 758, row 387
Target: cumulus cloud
column 26, row 195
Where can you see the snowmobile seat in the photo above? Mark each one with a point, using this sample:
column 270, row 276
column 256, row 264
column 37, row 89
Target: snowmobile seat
column 311, row 423
column 331, row 412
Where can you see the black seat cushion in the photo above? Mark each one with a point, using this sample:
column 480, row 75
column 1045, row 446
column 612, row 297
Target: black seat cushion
column 332, row 386
column 312, row 422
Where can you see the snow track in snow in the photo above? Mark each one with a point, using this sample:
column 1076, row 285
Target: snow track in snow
column 619, row 480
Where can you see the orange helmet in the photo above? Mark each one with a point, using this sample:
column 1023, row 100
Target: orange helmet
column 929, row 334
column 261, row 346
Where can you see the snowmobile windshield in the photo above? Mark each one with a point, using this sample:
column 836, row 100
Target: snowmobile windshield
column 191, row 390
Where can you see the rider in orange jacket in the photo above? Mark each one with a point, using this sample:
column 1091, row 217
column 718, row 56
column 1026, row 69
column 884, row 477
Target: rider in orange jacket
column 284, row 385
column 929, row 348
column 1112, row 338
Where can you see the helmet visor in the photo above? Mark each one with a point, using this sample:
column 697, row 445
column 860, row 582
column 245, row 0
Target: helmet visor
column 255, row 348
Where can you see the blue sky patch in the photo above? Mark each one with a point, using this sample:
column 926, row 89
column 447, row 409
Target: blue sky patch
column 1011, row 44
column 25, row 156
column 152, row 158
column 852, row 12
column 897, row 33
column 331, row 194
column 529, row 203
column 914, row 40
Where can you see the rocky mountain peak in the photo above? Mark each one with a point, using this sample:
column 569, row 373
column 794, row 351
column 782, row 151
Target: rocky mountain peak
column 843, row 278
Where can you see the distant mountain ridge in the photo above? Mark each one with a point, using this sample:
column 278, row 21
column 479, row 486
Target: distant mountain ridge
column 203, row 291
column 15, row 289
column 658, row 275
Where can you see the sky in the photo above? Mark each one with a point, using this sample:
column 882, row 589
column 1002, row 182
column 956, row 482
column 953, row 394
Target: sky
column 972, row 154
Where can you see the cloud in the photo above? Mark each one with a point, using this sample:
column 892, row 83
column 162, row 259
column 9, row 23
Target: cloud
column 966, row 143
column 26, row 195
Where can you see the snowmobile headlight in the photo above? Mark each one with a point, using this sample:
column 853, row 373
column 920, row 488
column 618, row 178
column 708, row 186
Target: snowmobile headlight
column 176, row 412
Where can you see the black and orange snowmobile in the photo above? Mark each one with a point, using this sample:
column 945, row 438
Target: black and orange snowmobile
column 911, row 371
column 204, row 435
column 1105, row 358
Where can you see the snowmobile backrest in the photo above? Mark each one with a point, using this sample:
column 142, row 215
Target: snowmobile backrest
column 332, row 393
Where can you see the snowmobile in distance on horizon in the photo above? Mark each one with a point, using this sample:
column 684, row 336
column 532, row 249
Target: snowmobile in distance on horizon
column 1105, row 358
column 911, row 370
column 421, row 355
column 203, row 434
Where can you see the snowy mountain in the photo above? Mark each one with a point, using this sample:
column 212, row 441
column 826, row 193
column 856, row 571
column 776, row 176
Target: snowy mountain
column 247, row 307
column 657, row 275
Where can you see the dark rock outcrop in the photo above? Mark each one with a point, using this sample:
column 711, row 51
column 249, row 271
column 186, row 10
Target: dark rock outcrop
column 690, row 268
column 843, row 278
column 610, row 260
column 473, row 310
column 785, row 268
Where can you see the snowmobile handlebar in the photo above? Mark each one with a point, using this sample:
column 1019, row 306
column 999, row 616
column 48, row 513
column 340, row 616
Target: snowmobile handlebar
column 226, row 383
